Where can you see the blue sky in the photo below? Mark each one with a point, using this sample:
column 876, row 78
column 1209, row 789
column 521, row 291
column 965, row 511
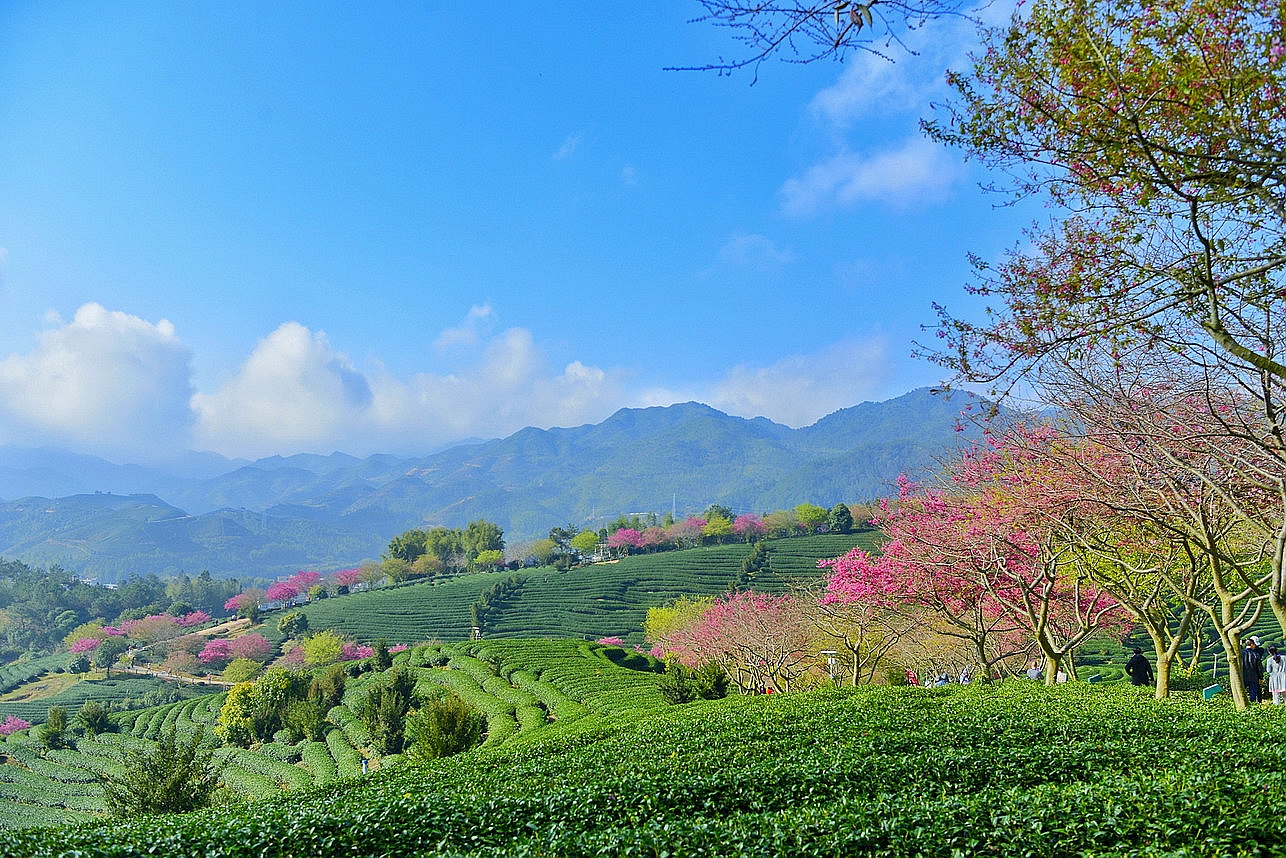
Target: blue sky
column 263, row 228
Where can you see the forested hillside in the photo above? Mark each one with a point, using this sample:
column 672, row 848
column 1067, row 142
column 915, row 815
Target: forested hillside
column 277, row 515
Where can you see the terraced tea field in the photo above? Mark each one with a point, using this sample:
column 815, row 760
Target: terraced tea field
column 520, row 686
column 590, row 602
column 1005, row 769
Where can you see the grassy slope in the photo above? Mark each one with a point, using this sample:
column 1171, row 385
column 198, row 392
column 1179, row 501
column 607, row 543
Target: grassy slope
column 1015, row 769
column 587, row 602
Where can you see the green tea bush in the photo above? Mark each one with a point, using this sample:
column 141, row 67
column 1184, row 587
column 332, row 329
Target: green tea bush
column 317, row 759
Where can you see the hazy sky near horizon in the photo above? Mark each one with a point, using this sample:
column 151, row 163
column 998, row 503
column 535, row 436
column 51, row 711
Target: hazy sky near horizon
column 262, row 228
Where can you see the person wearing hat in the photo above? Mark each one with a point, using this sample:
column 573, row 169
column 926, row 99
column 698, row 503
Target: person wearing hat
column 1252, row 669
column 1139, row 669
column 1276, row 665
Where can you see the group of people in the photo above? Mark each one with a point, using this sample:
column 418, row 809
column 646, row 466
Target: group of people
column 1256, row 667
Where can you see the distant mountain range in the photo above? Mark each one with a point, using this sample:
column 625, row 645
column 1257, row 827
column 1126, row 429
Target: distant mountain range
column 279, row 514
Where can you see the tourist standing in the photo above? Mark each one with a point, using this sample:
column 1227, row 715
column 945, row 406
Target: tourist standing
column 1276, row 665
column 1139, row 669
column 1252, row 670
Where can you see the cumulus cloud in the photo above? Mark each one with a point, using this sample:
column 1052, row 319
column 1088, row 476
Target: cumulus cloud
column 468, row 332
column 293, row 392
column 797, row 390
column 105, row 382
column 800, row 389
column 917, row 171
column 296, row 392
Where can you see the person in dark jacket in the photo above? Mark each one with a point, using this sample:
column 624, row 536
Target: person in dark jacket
column 1139, row 669
column 1252, row 670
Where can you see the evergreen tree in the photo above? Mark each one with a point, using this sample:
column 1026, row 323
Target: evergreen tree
column 173, row 777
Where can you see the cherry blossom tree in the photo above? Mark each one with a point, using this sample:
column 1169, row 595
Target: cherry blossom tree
column 761, row 641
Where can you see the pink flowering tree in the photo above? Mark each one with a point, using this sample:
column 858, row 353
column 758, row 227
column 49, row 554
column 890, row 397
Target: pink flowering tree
column 686, row 533
column 151, row 629
column 611, row 641
column 12, row 724
column 983, row 554
column 193, row 619
column 216, row 653
column 348, row 577
column 253, row 646
column 281, row 591
column 304, row 580
column 84, row 645
column 749, row 527
column 624, row 540
column 245, row 604
column 761, row 641
column 355, row 652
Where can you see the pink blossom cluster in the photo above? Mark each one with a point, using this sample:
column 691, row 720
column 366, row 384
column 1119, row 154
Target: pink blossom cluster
column 84, row 645
column 192, row 619
column 217, row 651
column 12, row 724
column 281, row 591
column 348, row 577
column 353, row 652
column 238, row 602
column 398, row 648
column 611, row 641
column 253, row 646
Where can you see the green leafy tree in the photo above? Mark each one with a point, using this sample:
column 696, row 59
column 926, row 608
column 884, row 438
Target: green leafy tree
column 107, row 652
column 407, row 546
column 305, row 718
column 293, row 624
column 444, row 726
column 384, row 710
column 839, row 519
column 489, row 559
column 53, row 733
column 811, row 517
column 241, row 669
column 94, row 718
column 717, row 528
column 585, row 542
column 174, row 777
column 324, row 647
column 480, row 536
column 381, row 660
column 327, row 687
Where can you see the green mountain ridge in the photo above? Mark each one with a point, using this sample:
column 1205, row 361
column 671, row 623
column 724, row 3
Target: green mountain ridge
column 280, row 514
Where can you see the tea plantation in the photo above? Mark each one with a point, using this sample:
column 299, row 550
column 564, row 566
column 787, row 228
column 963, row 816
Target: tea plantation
column 589, row 602
column 1012, row 768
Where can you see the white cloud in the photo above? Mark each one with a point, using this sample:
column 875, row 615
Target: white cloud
column 295, row 392
column 106, row 382
column 870, row 83
column 629, row 176
column 468, row 332
column 114, row 384
column 918, row 171
column 570, row 144
column 797, row 390
column 800, row 389
column 751, row 250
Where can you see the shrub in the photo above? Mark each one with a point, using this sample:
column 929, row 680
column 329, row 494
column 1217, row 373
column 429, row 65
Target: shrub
column 445, row 726
column 94, row 718
column 173, row 777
